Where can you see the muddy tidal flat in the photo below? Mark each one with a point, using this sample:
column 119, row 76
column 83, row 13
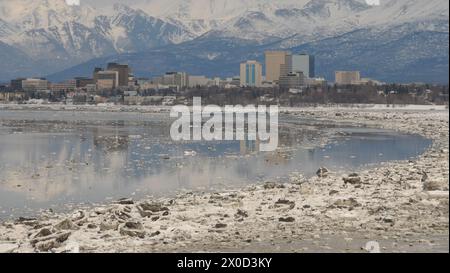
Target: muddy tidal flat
column 401, row 205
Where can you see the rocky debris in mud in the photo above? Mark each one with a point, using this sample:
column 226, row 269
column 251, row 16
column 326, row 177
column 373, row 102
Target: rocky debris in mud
column 435, row 195
column 322, row 172
column 150, row 209
column 27, row 221
column 273, row 185
column 109, row 223
column 122, row 214
column 91, row 226
column 290, row 204
column 220, row 225
column 350, row 204
column 101, row 210
column 66, row 225
column 286, row 219
column 433, row 184
column 78, row 216
column 154, row 234
column 8, row 247
column 353, row 179
column 125, row 201
column 241, row 214
column 133, row 229
column 46, row 239
column 333, row 192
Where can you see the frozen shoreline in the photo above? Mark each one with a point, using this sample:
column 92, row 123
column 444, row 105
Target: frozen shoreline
column 153, row 109
column 403, row 205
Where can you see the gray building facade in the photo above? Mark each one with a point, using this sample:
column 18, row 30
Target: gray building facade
column 304, row 63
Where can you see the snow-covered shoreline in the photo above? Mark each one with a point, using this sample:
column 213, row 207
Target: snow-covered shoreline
column 163, row 109
column 403, row 205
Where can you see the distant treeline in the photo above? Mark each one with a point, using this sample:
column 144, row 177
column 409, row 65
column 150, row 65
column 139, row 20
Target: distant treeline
column 389, row 94
column 364, row 94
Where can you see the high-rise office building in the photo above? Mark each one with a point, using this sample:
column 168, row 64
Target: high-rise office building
column 251, row 74
column 304, row 63
column 277, row 63
column 286, row 68
column 123, row 70
column 347, row 77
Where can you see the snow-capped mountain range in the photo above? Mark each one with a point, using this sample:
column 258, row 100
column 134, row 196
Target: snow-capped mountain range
column 41, row 37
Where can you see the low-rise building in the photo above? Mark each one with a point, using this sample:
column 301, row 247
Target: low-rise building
column 107, row 80
column 347, row 77
column 63, row 86
column 35, row 84
column 176, row 79
column 198, row 81
column 131, row 93
column 292, row 80
column 367, row 81
column 83, row 82
column 16, row 84
column 315, row 81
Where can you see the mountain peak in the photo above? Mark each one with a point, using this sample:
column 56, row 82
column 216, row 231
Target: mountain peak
column 56, row 35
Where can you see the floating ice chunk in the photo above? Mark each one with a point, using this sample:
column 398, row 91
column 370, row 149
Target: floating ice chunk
column 190, row 153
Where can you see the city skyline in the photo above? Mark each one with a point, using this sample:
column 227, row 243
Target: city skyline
column 278, row 65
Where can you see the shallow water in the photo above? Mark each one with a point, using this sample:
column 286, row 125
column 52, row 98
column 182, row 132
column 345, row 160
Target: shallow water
column 59, row 159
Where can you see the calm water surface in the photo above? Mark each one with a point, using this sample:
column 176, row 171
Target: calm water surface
column 58, row 159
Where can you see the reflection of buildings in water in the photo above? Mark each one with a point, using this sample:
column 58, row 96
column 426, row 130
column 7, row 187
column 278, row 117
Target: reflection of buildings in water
column 110, row 140
column 286, row 137
column 198, row 173
column 311, row 154
column 289, row 137
column 157, row 128
column 62, row 164
column 278, row 157
column 249, row 146
column 49, row 183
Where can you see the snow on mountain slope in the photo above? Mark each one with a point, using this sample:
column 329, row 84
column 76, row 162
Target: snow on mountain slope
column 134, row 30
column 5, row 29
column 235, row 16
column 390, row 55
column 52, row 30
column 34, row 14
column 57, row 35
column 310, row 20
column 400, row 11
column 211, row 9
